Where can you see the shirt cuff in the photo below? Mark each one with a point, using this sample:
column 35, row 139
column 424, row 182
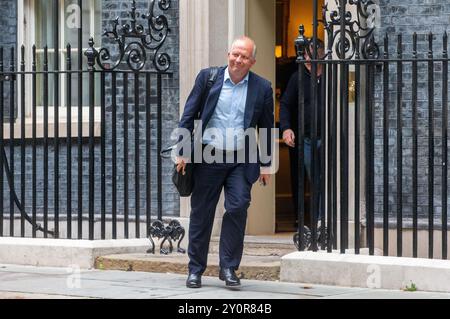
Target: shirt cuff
column 267, row 170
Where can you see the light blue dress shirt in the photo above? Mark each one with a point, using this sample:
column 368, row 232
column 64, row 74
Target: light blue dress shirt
column 225, row 129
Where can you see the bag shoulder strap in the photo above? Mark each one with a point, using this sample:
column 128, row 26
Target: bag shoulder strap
column 212, row 77
column 213, row 72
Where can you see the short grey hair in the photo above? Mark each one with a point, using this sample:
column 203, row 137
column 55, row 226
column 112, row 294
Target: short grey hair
column 245, row 38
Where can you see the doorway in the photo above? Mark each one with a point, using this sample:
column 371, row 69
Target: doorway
column 290, row 14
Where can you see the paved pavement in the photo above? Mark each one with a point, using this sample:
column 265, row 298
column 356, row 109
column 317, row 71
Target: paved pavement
column 26, row 282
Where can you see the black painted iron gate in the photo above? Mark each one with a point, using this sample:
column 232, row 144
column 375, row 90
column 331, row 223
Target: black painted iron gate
column 91, row 179
column 380, row 172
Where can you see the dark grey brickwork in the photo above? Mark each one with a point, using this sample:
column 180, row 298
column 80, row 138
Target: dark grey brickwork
column 170, row 111
column 406, row 17
column 8, row 37
column 8, row 20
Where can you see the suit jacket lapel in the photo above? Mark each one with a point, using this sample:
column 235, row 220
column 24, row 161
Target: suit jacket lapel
column 250, row 103
column 213, row 98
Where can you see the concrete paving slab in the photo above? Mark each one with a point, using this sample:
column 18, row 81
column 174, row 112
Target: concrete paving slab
column 36, row 282
column 305, row 289
column 18, row 295
column 24, row 269
column 53, row 286
column 119, row 276
column 389, row 294
column 240, row 295
column 87, row 288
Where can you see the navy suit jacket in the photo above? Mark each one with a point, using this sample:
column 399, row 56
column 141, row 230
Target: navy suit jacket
column 259, row 110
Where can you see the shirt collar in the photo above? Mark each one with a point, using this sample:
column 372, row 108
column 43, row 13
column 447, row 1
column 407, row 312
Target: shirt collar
column 228, row 78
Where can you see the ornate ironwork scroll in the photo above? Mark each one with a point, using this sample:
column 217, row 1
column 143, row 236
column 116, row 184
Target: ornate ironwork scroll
column 357, row 28
column 305, row 243
column 133, row 40
column 172, row 232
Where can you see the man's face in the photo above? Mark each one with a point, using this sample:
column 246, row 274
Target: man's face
column 240, row 58
column 320, row 53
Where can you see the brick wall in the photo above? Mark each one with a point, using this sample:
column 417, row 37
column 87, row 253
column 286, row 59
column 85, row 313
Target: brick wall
column 8, row 39
column 406, row 17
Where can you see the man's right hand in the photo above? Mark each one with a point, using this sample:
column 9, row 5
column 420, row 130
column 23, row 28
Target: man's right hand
column 181, row 165
column 289, row 138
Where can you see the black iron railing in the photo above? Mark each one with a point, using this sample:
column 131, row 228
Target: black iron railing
column 87, row 174
column 393, row 166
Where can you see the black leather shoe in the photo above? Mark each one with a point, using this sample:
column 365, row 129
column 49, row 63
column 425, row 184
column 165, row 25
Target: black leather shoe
column 194, row 281
column 229, row 276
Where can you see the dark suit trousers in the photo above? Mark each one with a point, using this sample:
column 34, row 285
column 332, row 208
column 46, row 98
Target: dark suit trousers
column 294, row 164
column 209, row 179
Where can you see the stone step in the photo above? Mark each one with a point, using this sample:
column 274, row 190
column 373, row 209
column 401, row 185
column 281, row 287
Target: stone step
column 278, row 245
column 252, row 267
column 261, row 259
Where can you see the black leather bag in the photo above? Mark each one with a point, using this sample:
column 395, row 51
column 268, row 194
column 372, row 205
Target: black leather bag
column 184, row 183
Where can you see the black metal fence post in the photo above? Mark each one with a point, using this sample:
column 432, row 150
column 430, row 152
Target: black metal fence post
column 114, row 153
column 331, row 145
column 386, row 147
column 125, row 154
column 314, row 107
column 344, row 138
column 357, row 147
column 371, row 162
column 399, row 147
column 137, row 197
column 22, row 141
column 11, row 143
column 159, row 145
column 2, row 145
column 148, row 163
column 444, row 145
column 414, row 146
column 45, row 94
column 430, row 147
column 34, row 143
column 301, row 239
column 69, row 139
column 80, row 126
column 91, row 55
column 56, row 117
column 103, row 155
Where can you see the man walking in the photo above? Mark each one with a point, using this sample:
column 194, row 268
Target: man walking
column 237, row 101
column 289, row 122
